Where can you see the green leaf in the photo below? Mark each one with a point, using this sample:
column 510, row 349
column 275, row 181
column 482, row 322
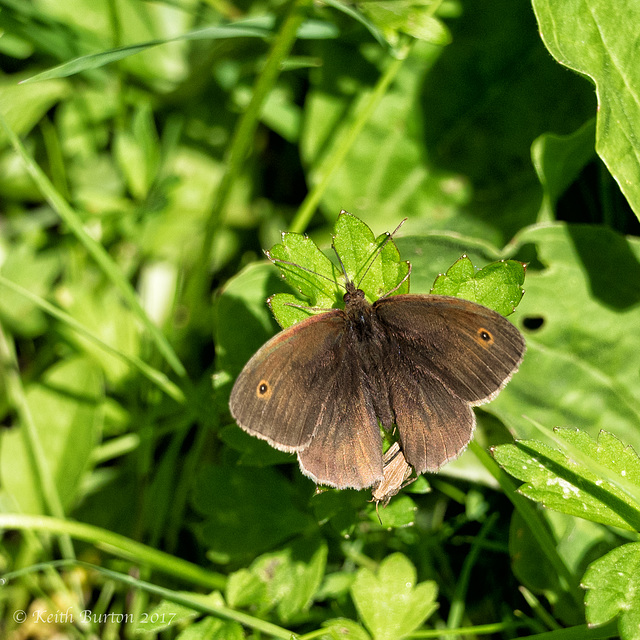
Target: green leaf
column 390, row 602
column 32, row 270
column 497, row 286
column 343, row 629
column 286, row 579
column 67, row 411
column 372, row 264
column 581, row 319
column 613, row 588
column 595, row 38
column 24, row 106
column 406, row 16
column 246, row 511
column 400, row 512
column 307, row 270
column 574, row 487
column 558, row 161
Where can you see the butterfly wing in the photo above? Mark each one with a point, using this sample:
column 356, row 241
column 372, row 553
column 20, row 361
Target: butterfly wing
column 284, row 389
column 347, row 448
column 446, row 355
column 303, row 391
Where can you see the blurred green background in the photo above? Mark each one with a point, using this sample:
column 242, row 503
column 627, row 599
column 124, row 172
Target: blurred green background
column 150, row 152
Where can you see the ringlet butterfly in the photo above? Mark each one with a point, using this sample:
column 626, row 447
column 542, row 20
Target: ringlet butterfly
column 419, row 362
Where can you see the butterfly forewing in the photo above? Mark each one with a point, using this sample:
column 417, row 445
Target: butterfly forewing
column 472, row 350
column 286, row 388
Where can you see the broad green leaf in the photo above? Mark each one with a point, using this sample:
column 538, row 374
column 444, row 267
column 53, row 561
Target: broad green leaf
column 446, row 144
column 570, row 486
column 246, row 511
column 102, row 310
column 66, row 407
column 595, row 38
column 613, row 589
column 307, row 270
column 558, row 161
column 34, row 271
column 581, row 320
column 406, row 16
column 23, row 106
column 497, row 286
column 389, row 602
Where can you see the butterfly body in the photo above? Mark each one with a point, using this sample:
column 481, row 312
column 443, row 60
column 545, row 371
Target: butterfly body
column 419, row 362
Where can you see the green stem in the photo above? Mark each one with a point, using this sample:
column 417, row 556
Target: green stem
column 242, row 140
column 532, row 519
column 457, row 602
column 329, row 166
column 118, row 545
column 196, row 602
column 38, row 464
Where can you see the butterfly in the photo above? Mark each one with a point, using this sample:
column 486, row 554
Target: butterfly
column 412, row 363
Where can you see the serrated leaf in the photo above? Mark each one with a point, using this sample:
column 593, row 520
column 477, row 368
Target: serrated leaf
column 307, row 269
column 373, row 264
column 613, row 588
column 389, row 602
column 288, row 310
column 343, row 629
column 286, row 579
column 497, row 286
column 570, row 486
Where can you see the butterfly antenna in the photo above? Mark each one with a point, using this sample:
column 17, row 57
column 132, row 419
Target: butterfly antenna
column 344, row 271
column 299, row 266
column 378, row 512
column 399, row 283
column 379, row 251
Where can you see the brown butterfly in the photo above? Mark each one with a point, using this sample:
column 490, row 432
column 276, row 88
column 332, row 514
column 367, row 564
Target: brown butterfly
column 419, row 362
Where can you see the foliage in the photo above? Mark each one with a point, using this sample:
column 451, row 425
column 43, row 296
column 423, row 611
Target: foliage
column 149, row 152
